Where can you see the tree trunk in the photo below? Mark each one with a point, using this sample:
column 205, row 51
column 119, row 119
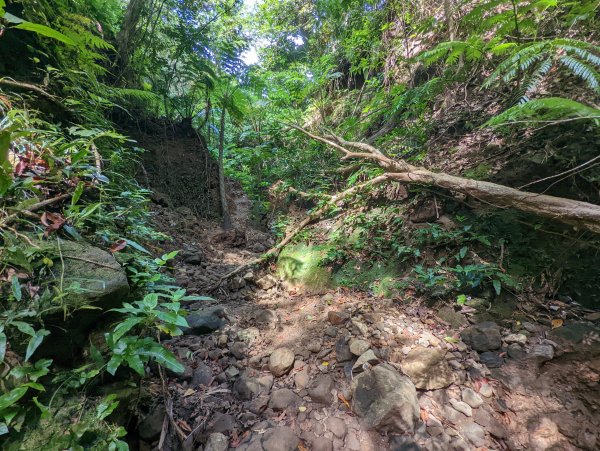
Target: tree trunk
column 576, row 213
column 222, row 193
column 126, row 39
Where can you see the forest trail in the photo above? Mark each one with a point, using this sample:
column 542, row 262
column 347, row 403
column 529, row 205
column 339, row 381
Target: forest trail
column 270, row 367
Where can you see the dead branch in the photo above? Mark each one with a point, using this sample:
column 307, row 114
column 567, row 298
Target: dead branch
column 11, row 218
column 576, row 213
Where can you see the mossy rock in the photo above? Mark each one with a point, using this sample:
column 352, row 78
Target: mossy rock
column 301, row 265
column 382, row 278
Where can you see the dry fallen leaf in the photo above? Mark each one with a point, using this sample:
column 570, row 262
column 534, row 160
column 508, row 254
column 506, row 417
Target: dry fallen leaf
column 344, row 400
column 424, row 415
column 189, row 392
column 556, row 323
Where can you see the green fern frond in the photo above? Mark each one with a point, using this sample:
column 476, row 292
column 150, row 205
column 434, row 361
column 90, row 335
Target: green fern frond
column 546, row 110
column 587, row 73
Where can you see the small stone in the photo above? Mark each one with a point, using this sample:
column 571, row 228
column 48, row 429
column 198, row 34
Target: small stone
column 232, row 372
column 453, row 415
column 516, row 338
column 365, row 361
column 483, row 336
column 404, row 443
column 202, row 375
column 322, row 444
column 544, row 435
column 237, row 283
column 486, row 390
column 352, row 443
column 491, row 359
column 249, row 276
column 314, row 346
column 471, row 398
column 331, row 331
column 266, row 318
column 249, row 335
column 280, row 361
column 462, row 407
column 238, row 350
column 542, row 353
column 301, row 379
column 281, row 438
column 337, row 318
column 221, row 422
column 337, row 426
column 216, row 442
column 321, row 392
column 474, row 433
column 427, row 368
column 284, row 398
column 267, row 282
column 516, row 351
column 359, row 347
column 342, row 350
column 362, row 327
column 222, row 340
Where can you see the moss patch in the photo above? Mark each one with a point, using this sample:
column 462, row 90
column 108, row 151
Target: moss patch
column 382, row 279
column 300, row 265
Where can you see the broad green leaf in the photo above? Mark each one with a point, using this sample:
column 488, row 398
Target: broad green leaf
column 123, row 327
column 12, row 397
column 35, row 342
column 106, row 407
column 497, row 286
column 3, row 427
column 2, row 346
column 43, row 409
column 137, row 246
column 4, row 145
column 113, row 364
column 96, row 356
column 24, row 327
column 151, row 300
column 2, row 5
column 48, row 32
column 77, row 193
column 16, row 288
column 196, row 298
column 163, row 357
column 136, row 364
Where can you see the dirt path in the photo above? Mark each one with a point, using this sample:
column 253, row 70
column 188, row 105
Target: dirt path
column 273, row 369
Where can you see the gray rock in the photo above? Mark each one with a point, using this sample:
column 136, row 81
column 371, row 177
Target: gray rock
column 232, row 372
column 542, row 353
column 281, row 438
column 248, row 335
column 221, row 422
column 453, row 415
column 206, row 320
column 365, row 361
column 452, row 317
column 322, row 444
column 267, row 282
column 247, row 387
column 314, row 346
column 471, row 398
column 283, row 399
column 516, row 338
column 216, row 442
column 483, row 336
column 403, row 443
column 342, row 350
column 473, row 433
column 359, row 347
column 266, row 318
column 151, row 426
column 238, row 350
column 491, row 359
column 202, row 375
column 352, row 442
column 362, row 327
column 427, row 368
column 337, row 318
column 237, row 283
column 336, row 426
column 516, row 351
column 331, row 331
column 462, row 407
column 280, row 361
column 385, row 400
column 321, row 391
column 301, row 379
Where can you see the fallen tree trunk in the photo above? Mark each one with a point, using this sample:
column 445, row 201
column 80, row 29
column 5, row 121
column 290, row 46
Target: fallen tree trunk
column 575, row 213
